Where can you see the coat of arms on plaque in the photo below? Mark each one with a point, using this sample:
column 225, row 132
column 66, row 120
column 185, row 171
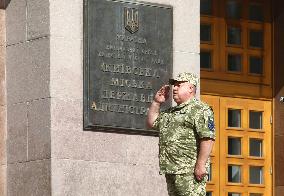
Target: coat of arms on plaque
column 131, row 20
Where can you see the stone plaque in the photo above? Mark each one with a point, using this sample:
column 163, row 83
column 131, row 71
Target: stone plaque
column 127, row 58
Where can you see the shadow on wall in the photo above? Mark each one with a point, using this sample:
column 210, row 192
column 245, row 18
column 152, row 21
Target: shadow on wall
column 4, row 3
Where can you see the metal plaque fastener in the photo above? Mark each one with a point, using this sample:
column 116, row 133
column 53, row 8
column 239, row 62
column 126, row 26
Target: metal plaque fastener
column 282, row 99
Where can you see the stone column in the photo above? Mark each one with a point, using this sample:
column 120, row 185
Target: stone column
column 28, row 98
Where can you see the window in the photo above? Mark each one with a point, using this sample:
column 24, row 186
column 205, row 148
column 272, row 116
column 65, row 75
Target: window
column 234, row 146
column 255, row 120
column 255, row 12
column 208, row 193
column 256, row 38
column 210, row 173
column 255, row 175
column 234, row 173
column 205, row 32
column 234, row 194
column 234, row 118
column 255, row 65
column 233, row 9
column 206, row 7
column 255, row 147
column 206, row 60
column 234, row 35
column 234, row 62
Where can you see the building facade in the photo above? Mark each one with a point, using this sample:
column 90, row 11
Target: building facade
column 44, row 149
column 234, row 45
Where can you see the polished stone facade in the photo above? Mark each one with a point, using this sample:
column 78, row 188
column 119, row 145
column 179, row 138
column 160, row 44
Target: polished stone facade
column 44, row 149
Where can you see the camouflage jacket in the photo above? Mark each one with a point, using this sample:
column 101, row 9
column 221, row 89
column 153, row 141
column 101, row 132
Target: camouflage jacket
column 180, row 129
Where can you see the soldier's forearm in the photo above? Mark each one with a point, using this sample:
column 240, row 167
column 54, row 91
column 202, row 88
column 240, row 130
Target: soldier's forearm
column 205, row 150
column 153, row 113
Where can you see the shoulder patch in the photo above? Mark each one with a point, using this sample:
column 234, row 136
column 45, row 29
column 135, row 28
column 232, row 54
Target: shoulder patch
column 211, row 125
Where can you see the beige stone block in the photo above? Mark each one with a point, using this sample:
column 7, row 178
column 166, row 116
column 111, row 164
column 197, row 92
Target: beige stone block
column 39, row 144
column 77, row 177
column 2, row 76
column 16, row 22
column 186, row 26
column 66, row 68
column 142, row 150
column 2, row 28
column 16, row 133
column 28, row 75
column 37, row 18
column 17, row 72
column 70, row 141
column 187, row 62
column 39, row 69
column 29, row 178
column 3, row 135
column 3, row 180
column 66, row 18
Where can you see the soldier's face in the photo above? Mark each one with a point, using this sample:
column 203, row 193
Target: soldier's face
column 182, row 91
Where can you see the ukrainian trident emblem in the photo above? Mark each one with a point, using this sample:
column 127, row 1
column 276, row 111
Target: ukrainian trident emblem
column 131, row 20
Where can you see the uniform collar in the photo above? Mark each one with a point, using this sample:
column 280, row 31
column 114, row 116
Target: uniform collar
column 185, row 103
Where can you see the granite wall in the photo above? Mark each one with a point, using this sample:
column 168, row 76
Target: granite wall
column 95, row 163
column 28, row 98
column 48, row 152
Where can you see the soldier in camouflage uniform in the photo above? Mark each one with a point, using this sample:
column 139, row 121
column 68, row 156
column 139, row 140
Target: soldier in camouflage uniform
column 186, row 136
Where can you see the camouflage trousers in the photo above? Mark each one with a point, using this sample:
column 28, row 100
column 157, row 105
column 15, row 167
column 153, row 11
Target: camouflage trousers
column 185, row 185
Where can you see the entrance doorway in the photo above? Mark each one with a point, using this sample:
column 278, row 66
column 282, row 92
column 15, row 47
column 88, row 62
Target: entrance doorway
column 241, row 160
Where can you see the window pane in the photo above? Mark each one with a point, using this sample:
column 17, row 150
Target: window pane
column 234, row 35
column 234, row 146
column 255, row 194
column 234, row 62
column 205, row 32
column 255, row 175
column 234, row 194
column 206, row 7
column 205, row 60
column 255, row 12
column 234, row 173
column 255, row 147
column 208, row 193
column 255, row 120
column 233, row 9
column 255, row 65
column 210, row 173
column 256, row 38
column 234, row 118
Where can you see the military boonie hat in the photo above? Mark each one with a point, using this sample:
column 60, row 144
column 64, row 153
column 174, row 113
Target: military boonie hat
column 185, row 77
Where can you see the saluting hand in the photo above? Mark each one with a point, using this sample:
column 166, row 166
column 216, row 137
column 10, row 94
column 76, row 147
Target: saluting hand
column 163, row 94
